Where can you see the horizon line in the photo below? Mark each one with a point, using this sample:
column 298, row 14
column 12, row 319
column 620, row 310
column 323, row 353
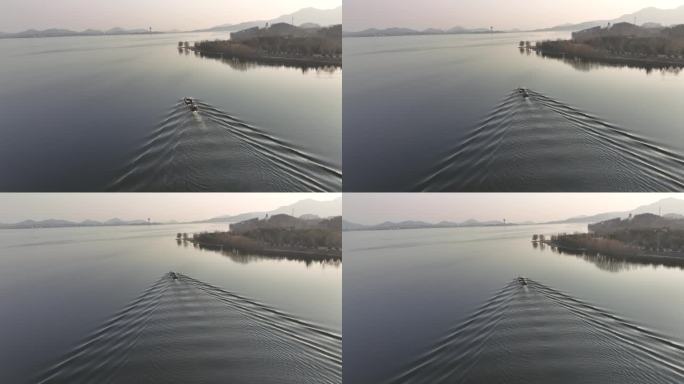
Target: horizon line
column 165, row 30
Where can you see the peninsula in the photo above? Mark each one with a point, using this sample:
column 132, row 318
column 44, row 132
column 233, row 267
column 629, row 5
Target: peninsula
column 280, row 235
column 650, row 45
column 280, row 44
column 644, row 237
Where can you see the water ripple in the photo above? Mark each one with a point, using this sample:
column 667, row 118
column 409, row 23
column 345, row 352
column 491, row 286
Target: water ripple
column 184, row 331
column 541, row 144
column 210, row 150
column 536, row 334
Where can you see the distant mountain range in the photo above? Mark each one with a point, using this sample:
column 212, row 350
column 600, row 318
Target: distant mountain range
column 56, row 223
column 411, row 224
column 311, row 209
column 408, row 32
column 643, row 221
column 304, row 209
column 671, row 208
column 57, row 32
column 651, row 16
column 306, row 18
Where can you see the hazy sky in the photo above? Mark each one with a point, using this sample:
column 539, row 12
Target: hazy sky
column 514, row 207
column 502, row 14
column 19, row 15
column 157, row 206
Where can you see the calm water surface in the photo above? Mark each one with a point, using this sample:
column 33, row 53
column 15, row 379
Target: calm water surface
column 442, row 113
column 105, row 113
column 427, row 305
column 105, row 287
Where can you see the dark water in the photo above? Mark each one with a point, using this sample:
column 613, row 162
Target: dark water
column 537, row 143
column 537, row 334
column 443, row 305
column 77, row 113
column 188, row 150
column 439, row 113
column 95, row 304
column 182, row 330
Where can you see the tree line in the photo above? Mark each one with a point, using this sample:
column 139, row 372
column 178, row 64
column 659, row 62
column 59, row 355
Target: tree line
column 325, row 43
column 636, row 42
column 277, row 232
column 630, row 242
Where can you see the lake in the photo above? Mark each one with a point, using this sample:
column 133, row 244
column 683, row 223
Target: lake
column 106, row 113
column 443, row 113
column 426, row 305
column 78, row 302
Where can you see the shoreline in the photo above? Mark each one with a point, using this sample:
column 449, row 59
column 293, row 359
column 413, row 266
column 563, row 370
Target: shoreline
column 85, row 35
column 273, row 60
column 639, row 255
column 581, row 51
column 650, row 62
column 355, row 35
column 310, row 254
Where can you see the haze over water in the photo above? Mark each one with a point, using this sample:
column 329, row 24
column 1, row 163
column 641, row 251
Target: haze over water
column 96, row 303
column 436, row 113
column 105, row 112
column 429, row 304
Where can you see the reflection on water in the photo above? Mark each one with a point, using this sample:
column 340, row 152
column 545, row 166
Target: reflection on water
column 245, row 64
column 58, row 284
column 246, row 258
column 409, row 100
column 410, row 298
column 583, row 64
column 100, row 98
column 615, row 263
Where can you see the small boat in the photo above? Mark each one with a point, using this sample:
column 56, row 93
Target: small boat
column 191, row 103
column 523, row 92
column 522, row 281
column 173, row 275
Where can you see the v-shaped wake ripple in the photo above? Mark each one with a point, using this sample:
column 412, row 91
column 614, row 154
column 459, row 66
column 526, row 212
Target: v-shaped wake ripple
column 210, row 150
column 536, row 334
column 183, row 330
column 537, row 143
